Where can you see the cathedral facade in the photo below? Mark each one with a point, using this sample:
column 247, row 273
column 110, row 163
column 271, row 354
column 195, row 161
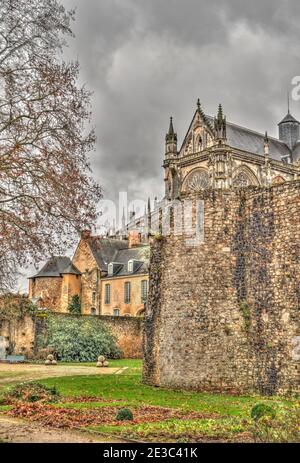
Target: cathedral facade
column 216, row 154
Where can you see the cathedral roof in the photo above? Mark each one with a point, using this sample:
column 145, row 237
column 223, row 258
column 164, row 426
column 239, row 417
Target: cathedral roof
column 57, row 266
column 248, row 140
column 296, row 151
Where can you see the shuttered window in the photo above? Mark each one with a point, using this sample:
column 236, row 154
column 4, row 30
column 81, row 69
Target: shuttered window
column 144, row 290
column 127, row 288
column 107, row 294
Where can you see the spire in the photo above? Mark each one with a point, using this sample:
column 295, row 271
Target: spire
column 266, row 145
column 198, row 104
column 171, row 140
column 149, row 217
column 171, row 135
column 266, row 139
column 123, row 220
column 171, row 128
column 220, row 124
column 220, row 112
column 149, row 205
column 288, row 102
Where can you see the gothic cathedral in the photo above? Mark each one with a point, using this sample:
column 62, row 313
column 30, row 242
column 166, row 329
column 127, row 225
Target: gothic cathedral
column 216, row 154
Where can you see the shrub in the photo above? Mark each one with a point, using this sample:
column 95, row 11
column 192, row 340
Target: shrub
column 124, row 415
column 260, row 410
column 75, row 305
column 32, row 392
column 272, row 426
column 80, row 339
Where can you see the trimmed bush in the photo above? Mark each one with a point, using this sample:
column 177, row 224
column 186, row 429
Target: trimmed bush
column 124, row 415
column 80, row 339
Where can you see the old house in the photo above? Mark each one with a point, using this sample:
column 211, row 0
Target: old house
column 55, row 284
column 109, row 275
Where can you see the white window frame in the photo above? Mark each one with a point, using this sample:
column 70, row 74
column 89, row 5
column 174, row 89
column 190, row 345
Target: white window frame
column 130, row 266
column 110, row 269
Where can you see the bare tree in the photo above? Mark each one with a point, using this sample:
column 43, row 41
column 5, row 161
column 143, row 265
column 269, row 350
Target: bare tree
column 46, row 190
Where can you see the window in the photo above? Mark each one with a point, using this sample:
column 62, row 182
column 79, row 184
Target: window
column 110, row 269
column 107, row 294
column 116, row 312
column 93, row 311
column 144, row 290
column 127, row 292
column 94, row 297
column 130, row 266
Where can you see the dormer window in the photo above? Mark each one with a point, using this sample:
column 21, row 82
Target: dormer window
column 133, row 265
column 113, row 268
column 130, row 266
column 110, row 269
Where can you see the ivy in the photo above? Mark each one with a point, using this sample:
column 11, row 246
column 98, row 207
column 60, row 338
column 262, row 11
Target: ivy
column 246, row 314
column 75, row 305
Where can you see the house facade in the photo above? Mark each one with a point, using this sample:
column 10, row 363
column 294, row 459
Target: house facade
column 109, row 275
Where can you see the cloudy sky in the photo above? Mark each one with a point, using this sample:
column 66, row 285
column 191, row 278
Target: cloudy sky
column 148, row 59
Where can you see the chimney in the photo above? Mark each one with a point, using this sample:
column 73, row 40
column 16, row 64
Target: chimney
column 134, row 238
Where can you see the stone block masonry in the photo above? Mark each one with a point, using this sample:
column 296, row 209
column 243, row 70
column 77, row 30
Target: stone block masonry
column 224, row 315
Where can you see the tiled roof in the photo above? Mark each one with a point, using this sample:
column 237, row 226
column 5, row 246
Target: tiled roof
column 57, row 266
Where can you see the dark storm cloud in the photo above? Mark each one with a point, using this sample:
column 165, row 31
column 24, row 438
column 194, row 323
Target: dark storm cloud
column 148, row 59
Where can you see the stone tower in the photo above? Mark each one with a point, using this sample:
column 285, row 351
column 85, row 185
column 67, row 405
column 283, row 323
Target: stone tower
column 171, row 141
column 289, row 130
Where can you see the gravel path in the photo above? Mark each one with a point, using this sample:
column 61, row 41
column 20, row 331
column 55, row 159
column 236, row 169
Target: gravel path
column 19, row 431
column 27, row 372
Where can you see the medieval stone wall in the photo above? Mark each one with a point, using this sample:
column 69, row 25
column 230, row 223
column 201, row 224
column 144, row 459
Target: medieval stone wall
column 20, row 334
column 223, row 315
column 49, row 290
column 90, row 278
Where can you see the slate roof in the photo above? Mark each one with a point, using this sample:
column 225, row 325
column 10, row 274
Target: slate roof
column 57, row 266
column 104, row 250
column 123, row 256
column 288, row 118
column 248, row 140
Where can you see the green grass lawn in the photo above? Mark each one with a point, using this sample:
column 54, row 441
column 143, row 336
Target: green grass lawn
column 230, row 420
column 222, row 417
